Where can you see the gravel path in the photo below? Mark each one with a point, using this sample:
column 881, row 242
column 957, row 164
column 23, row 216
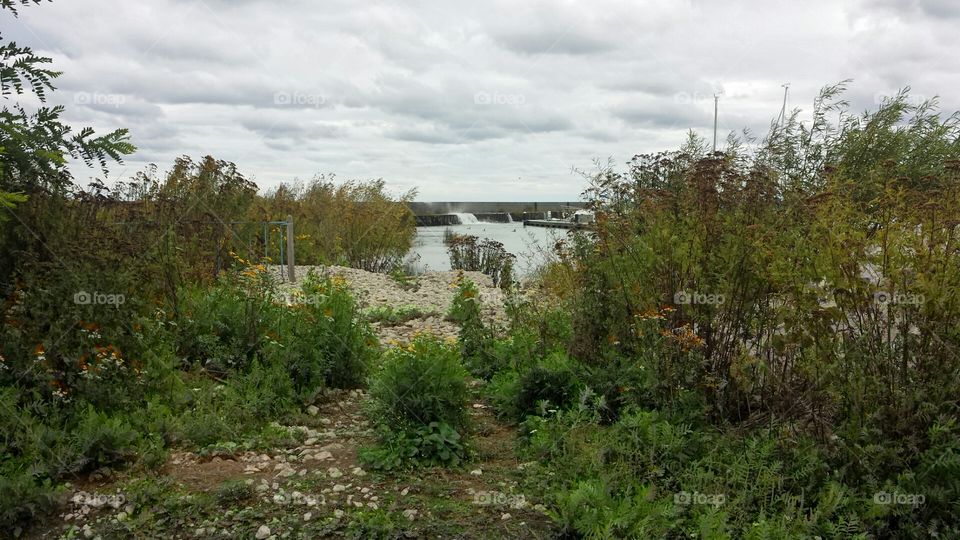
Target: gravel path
column 431, row 292
column 312, row 485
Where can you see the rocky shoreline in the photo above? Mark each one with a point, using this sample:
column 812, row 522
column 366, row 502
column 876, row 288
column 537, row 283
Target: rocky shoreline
column 430, row 293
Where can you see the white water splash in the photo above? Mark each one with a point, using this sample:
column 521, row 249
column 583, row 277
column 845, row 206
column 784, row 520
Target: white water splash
column 466, row 219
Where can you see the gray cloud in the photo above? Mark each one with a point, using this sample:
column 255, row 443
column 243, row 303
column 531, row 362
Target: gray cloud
column 545, row 42
column 463, row 98
column 291, row 128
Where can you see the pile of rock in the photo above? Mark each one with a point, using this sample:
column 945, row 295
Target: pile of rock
column 431, row 292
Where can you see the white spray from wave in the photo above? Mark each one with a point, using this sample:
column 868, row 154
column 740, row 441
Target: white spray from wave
column 466, row 219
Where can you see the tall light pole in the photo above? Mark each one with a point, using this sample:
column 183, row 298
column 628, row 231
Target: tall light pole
column 716, row 98
column 783, row 110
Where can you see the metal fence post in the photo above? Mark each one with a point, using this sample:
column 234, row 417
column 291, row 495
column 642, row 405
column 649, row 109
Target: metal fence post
column 291, row 267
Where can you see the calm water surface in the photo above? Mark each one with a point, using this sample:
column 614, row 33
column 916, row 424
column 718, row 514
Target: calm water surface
column 531, row 245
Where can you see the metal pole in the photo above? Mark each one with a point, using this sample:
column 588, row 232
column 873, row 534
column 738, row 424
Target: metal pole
column 715, row 100
column 291, row 268
column 783, row 110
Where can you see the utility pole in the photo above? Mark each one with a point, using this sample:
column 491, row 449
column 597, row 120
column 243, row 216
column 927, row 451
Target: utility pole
column 783, row 110
column 716, row 98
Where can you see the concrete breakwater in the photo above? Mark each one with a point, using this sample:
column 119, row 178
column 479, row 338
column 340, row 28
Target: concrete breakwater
column 496, row 217
column 513, row 208
column 421, row 207
column 454, row 213
column 446, row 220
column 443, row 220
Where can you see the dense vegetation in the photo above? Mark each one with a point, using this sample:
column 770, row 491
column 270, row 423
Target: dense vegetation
column 143, row 316
column 355, row 224
column 754, row 343
column 763, row 343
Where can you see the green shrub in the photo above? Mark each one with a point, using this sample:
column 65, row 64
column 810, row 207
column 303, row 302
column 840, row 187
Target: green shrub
column 711, row 483
column 204, row 428
column 490, row 355
column 320, row 338
column 649, row 448
column 618, row 389
column 395, row 316
column 435, row 444
column 56, row 343
column 465, row 308
column 589, row 510
column 221, row 327
column 237, row 408
column 550, row 384
column 23, row 499
column 502, row 392
column 539, row 324
column 569, row 441
column 337, row 336
column 472, row 254
column 418, row 385
column 104, row 440
column 203, row 420
column 266, row 391
column 158, row 418
column 481, row 353
column 232, row 492
column 419, row 400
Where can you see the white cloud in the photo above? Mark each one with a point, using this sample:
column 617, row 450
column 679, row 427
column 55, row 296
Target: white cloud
column 466, row 100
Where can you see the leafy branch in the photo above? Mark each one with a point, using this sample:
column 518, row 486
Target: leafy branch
column 12, row 4
column 34, row 147
column 18, row 65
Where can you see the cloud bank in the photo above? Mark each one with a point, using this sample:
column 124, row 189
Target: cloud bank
column 466, row 100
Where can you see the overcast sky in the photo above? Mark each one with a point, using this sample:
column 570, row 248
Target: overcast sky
column 466, row 100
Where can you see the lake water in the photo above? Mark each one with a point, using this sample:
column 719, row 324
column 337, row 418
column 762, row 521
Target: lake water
column 531, row 245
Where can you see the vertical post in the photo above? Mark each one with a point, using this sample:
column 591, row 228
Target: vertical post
column 715, row 100
column 783, row 110
column 291, row 267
